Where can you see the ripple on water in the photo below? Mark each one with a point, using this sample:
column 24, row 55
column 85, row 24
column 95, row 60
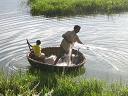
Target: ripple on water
column 18, row 63
column 102, row 34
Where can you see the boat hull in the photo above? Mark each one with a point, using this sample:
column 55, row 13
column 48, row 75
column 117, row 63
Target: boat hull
column 50, row 67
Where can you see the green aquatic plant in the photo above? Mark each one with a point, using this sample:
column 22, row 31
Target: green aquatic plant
column 76, row 7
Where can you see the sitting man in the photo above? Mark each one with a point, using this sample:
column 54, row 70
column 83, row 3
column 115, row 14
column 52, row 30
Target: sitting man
column 37, row 51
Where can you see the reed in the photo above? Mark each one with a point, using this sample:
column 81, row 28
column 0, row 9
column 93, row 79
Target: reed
column 52, row 84
column 76, row 7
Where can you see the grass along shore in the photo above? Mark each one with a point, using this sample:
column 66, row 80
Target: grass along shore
column 43, row 84
column 76, row 7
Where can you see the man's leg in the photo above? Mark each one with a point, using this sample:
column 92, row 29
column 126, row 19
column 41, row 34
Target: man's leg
column 60, row 55
column 42, row 57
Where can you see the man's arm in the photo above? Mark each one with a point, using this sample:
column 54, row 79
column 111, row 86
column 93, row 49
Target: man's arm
column 64, row 36
column 78, row 40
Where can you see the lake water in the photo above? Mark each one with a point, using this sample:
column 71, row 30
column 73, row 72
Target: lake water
column 106, row 37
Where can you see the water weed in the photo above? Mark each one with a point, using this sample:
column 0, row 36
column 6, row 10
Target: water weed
column 76, row 7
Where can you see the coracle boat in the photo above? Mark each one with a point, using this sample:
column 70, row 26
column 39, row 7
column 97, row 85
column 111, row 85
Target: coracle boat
column 78, row 60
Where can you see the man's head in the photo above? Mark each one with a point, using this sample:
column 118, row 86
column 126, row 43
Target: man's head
column 77, row 28
column 38, row 42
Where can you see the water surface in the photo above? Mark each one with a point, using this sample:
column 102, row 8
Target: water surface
column 106, row 37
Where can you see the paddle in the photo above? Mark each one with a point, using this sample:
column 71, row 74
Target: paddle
column 29, row 45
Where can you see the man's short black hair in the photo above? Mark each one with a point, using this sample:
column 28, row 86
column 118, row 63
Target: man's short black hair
column 77, row 27
column 38, row 42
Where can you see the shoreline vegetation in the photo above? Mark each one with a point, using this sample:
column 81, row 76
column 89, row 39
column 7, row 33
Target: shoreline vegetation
column 51, row 8
column 49, row 84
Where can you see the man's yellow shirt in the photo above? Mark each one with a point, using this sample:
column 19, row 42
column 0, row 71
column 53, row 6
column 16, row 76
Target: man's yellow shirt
column 37, row 50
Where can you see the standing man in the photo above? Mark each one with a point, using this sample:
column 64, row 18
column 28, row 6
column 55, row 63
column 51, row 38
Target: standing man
column 69, row 38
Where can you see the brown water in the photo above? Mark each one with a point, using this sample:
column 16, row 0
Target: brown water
column 106, row 37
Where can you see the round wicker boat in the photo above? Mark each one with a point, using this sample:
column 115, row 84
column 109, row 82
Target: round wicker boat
column 48, row 51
